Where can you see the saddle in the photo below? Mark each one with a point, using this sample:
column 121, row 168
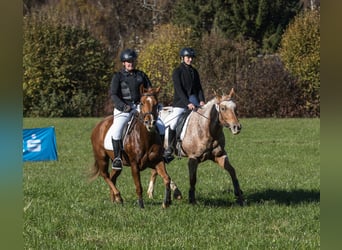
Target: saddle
column 180, row 124
column 129, row 126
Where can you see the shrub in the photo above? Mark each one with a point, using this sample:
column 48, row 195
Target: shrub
column 300, row 52
column 268, row 90
column 263, row 87
column 65, row 70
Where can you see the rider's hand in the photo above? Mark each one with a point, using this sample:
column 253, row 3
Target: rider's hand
column 127, row 108
column 191, row 106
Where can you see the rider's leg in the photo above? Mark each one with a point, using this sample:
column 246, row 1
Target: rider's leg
column 120, row 119
column 161, row 129
column 117, row 162
column 171, row 141
column 171, row 122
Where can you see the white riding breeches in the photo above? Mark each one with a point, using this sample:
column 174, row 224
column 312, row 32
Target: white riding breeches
column 171, row 120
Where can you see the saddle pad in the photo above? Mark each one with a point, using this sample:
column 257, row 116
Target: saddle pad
column 108, row 145
column 184, row 128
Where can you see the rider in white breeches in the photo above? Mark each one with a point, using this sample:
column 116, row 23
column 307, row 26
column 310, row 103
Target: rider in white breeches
column 188, row 94
column 125, row 94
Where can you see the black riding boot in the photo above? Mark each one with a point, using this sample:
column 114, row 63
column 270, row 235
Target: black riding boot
column 168, row 157
column 162, row 138
column 117, row 162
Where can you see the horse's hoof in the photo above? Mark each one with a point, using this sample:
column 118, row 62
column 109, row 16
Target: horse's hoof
column 241, row 202
column 193, row 202
column 117, row 199
column 141, row 203
column 150, row 195
column 165, row 205
column 118, row 202
column 177, row 194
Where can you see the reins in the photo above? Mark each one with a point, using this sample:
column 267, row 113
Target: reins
column 200, row 114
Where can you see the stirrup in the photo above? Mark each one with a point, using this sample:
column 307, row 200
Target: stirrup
column 168, row 158
column 168, row 155
column 117, row 164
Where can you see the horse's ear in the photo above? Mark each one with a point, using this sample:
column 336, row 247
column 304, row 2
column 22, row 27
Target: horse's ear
column 232, row 93
column 157, row 90
column 217, row 96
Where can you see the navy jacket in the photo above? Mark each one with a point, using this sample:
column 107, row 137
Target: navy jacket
column 186, row 82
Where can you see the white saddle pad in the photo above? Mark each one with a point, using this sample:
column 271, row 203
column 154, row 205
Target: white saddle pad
column 108, row 139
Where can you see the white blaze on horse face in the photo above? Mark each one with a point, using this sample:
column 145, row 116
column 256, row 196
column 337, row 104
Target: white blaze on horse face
column 230, row 104
column 148, row 110
column 229, row 117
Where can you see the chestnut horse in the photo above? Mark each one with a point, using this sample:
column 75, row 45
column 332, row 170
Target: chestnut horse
column 203, row 139
column 142, row 148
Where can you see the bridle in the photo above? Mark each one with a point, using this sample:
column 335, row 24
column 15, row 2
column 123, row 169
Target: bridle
column 152, row 113
column 219, row 111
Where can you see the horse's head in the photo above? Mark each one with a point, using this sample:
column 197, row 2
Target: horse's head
column 227, row 112
column 149, row 106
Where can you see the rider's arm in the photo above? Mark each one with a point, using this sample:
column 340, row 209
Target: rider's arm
column 115, row 92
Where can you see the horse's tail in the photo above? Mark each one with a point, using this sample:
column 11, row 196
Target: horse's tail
column 94, row 172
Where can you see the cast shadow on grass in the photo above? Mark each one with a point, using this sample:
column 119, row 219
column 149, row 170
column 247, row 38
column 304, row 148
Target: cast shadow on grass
column 284, row 197
column 268, row 196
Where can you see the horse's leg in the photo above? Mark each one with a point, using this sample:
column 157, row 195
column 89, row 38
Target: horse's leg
column 177, row 194
column 102, row 165
column 225, row 164
column 161, row 170
column 192, row 165
column 137, row 183
column 151, row 183
column 115, row 196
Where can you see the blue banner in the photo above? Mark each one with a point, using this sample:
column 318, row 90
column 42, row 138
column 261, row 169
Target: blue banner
column 39, row 144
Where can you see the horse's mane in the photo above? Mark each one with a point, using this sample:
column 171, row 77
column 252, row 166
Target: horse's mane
column 207, row 107
column 210, row 103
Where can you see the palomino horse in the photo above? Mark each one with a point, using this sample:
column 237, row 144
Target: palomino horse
column 142, row 148
column 203, row 139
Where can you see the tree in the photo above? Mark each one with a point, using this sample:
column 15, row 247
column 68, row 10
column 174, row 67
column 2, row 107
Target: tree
column 262, row 21
column 117, row 24
column 300, row 53
column 187, row 14
column 160, row 56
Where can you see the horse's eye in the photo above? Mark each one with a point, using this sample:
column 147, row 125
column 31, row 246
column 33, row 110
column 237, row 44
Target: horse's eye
column 223, row 108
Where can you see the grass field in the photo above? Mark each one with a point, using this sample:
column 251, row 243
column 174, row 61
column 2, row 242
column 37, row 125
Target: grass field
column 277, row 163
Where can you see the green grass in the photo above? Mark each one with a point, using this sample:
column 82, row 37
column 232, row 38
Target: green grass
column 277, row 163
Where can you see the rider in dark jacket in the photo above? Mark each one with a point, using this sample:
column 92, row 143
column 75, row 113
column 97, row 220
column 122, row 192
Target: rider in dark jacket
column 125, row 94
column 188, row 94
column 187, row 84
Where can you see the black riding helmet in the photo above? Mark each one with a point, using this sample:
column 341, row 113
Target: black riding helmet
column 128, row 55
column 187, row 52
